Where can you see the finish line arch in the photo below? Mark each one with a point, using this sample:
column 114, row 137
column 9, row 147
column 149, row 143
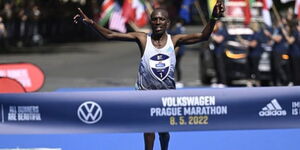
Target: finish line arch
column 150, row 111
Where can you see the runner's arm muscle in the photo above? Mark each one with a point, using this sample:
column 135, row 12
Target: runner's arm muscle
column 106, row 33
column 206, row 32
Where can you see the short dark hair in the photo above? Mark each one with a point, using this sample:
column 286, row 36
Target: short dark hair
column 164, row 11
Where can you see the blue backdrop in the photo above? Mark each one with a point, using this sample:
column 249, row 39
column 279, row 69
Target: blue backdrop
column 268, row 139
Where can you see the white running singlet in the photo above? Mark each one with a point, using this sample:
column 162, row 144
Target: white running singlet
column 157, row 66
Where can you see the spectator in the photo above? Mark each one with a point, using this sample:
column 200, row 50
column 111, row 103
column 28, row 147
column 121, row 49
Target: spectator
column 9, row 22
column 279, row 57
column 219, row 38
column 35, row 18
column 3, row 34
column 255, row 43
column 22, row 27
column 295, row 53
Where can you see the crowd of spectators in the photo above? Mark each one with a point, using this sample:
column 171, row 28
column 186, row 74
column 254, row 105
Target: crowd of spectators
column 36, row 22
column 280, row 42
column 26, row 23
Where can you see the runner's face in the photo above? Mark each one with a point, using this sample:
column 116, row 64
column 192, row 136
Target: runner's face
column 159, row 22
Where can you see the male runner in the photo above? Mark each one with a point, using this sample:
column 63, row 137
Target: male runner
column 157, row 49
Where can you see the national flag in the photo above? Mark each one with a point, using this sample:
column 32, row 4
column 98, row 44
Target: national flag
column 297, row 8
column 211, row 4
column 135, row 11
column 267, row 5
column 286, row 1
column 107, row 8
column 128, row 10
column 117, row 21
column 141, row 16
column 251, row 2
column 185, row 10
column 246, row 10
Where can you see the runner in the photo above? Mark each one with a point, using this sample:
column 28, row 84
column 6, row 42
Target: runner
column 157, row 49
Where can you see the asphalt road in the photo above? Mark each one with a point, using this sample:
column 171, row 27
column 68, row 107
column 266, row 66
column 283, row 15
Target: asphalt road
column 95, row 64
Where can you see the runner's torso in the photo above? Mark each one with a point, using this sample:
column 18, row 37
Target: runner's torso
column 157, row 66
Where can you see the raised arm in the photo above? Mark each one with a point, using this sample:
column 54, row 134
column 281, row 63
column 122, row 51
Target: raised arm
column 206, row 32
column 138, row 37
column 106, row 33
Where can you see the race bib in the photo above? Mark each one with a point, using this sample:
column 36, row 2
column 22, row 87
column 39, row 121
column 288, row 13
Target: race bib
column 160, row 66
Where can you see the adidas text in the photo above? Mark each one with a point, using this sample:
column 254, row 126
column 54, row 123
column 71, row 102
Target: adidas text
column 272, row 113
column 272, row 109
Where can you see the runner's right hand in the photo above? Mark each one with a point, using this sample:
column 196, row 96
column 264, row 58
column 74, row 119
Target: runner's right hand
column 82, row 17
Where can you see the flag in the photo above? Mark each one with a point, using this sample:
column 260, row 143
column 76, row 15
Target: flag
column 117, row 21
column 235, row 10
column 185, row 10
column 141, row 16
column 297, row 8
column 286, row 1
column 135, row 11
column 107, row 8
column 211, row 5
column 267, row 5
column 251, row 2
column 128, row 10
column 247, row 12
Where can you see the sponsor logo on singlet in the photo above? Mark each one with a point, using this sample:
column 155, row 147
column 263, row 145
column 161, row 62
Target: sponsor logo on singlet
column 160, row 66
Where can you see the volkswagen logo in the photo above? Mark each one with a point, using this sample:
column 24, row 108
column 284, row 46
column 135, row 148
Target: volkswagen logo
column 89, row 112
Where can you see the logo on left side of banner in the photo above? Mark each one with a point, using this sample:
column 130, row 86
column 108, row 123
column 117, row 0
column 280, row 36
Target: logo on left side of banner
column 89, row 112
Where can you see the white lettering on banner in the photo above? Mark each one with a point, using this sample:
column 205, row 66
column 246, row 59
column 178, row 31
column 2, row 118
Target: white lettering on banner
column 296, row 104
column 217, row 110
column 188, row 110
column 21, row 75
column 188, row 101
column 24, row 113
column 160, row 112
column 272, row 109
column 296, row 108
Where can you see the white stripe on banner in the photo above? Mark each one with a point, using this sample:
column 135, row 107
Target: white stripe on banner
column 151, row 111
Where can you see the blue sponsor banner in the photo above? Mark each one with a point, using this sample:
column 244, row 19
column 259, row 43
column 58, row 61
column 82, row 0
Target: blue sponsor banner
column 150, row 111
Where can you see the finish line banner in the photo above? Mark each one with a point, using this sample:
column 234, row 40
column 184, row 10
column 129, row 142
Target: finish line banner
column 150, row 111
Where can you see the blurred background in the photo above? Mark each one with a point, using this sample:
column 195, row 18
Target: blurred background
column 256, row 43
column 38, row 22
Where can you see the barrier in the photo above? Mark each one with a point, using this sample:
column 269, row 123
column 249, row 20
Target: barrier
column 150, row 111
column 29, row 75
column 9, row 85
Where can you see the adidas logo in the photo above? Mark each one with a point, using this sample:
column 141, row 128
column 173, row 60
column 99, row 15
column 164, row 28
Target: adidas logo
column 272, row 109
